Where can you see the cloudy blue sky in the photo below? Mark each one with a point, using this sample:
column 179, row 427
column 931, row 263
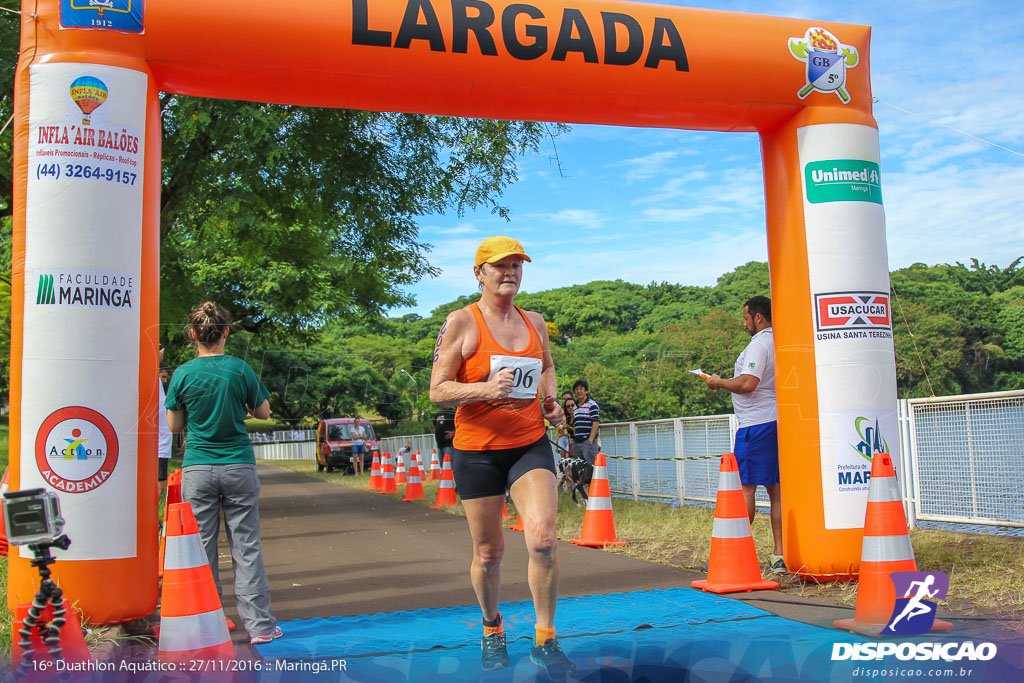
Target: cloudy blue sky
column 649, row 205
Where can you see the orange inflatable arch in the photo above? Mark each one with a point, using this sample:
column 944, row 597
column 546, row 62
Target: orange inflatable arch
column 86, row 224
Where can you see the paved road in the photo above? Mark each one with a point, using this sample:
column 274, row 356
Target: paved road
column 336, row 551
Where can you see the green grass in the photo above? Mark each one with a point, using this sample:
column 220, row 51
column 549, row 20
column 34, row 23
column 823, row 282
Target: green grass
column 6, row 618
column 985, row 571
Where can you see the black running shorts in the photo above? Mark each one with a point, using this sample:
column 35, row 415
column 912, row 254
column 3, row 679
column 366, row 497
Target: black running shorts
column 479, row 474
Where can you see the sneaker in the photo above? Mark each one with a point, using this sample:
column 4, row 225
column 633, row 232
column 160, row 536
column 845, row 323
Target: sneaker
column 493, row 653
column 550, row 658
column 267, row 637
column 777, row 565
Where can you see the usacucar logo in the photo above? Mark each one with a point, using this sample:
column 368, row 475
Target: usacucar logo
column 852, row 310
column 826, row 60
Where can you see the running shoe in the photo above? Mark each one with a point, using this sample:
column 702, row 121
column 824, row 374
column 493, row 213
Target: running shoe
column 777, row 565
column 550, row 658
column 493, row 654
column 267, row 637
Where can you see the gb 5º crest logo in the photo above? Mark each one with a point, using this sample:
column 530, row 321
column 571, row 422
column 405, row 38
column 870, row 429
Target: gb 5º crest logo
column 916, row 595
column 826, row 60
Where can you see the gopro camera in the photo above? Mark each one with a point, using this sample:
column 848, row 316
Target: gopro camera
column 32, row 517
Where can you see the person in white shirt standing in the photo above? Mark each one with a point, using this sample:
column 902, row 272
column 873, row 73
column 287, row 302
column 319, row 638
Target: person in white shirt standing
column 165, row 438
column 753, row 400
column 358, row 436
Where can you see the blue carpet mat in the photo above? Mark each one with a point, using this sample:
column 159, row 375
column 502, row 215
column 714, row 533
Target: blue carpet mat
column 677, row 634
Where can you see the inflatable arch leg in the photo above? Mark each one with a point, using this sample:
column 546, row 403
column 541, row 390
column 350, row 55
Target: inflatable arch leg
column 836, row 399
column 84, row 335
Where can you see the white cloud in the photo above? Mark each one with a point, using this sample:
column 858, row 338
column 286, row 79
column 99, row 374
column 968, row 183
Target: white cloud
column 649, row 166
column 576, row 218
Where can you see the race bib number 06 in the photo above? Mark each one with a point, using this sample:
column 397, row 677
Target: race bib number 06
column 525, row 371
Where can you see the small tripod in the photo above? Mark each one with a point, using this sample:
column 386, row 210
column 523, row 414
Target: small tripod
column 48, row 592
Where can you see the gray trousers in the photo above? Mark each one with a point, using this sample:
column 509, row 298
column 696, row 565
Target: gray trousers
column 586, row 450
column 235, row 490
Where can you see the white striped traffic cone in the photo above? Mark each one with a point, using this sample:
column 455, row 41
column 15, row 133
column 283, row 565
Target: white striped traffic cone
column 886, row 549
column 598, row 520
column 435, row 466
column 446, row 491
column 733, row 565
column 400, row 470
column 387, row 482
column 192, row 623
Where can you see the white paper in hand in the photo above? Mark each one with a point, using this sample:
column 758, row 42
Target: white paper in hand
column 700, row 373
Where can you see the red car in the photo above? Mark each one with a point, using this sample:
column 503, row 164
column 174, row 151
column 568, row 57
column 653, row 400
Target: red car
column 334, row 444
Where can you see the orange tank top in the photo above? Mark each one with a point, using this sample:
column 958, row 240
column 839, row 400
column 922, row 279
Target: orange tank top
column 502, row 423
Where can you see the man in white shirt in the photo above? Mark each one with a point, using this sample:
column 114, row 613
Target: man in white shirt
column 753, row 400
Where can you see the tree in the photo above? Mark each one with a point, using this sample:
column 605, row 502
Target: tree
column 292, row 217
column 10, row 37
column 929, row 351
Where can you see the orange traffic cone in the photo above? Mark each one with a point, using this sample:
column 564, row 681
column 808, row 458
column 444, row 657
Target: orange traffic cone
column 414, row 487
column 598, row 520
column 435, row 466
column 3, row 529
column 886, row 548
column 387, row 482
column 419, row 465
column 173, row 497
column 733, row 566
column 518, row 525
column 173, row 490
column 72, row 641
column 192, row 622
column 400, row 470
column 375, row 478
column 446, row 491
column 504, row 511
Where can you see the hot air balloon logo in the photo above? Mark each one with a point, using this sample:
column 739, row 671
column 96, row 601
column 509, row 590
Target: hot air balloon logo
column 88, row 92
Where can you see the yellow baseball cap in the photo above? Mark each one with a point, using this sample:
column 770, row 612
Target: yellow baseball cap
column 494, row 249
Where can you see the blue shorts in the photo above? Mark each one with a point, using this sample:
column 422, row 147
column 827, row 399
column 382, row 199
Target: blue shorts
column 757, row 454
column 358, row 448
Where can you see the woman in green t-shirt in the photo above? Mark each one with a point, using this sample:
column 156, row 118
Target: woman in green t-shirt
column 213, row 394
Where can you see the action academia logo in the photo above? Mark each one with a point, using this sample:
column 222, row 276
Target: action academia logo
column 826, row 60
column 76, row 449
column 916, row 596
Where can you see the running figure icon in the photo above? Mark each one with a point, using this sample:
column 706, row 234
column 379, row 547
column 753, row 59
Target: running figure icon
column 915, row 606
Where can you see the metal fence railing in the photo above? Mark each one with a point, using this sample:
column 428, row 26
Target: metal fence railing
column 961, row 458
column 282, row 435
column 967, row 458
column 285, row 450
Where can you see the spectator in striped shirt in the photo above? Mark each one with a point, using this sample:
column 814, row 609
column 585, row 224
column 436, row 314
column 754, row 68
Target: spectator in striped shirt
column 585, row 421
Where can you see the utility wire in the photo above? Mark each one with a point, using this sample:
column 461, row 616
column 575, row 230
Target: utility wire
column 912, row 339
column 955, row 130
